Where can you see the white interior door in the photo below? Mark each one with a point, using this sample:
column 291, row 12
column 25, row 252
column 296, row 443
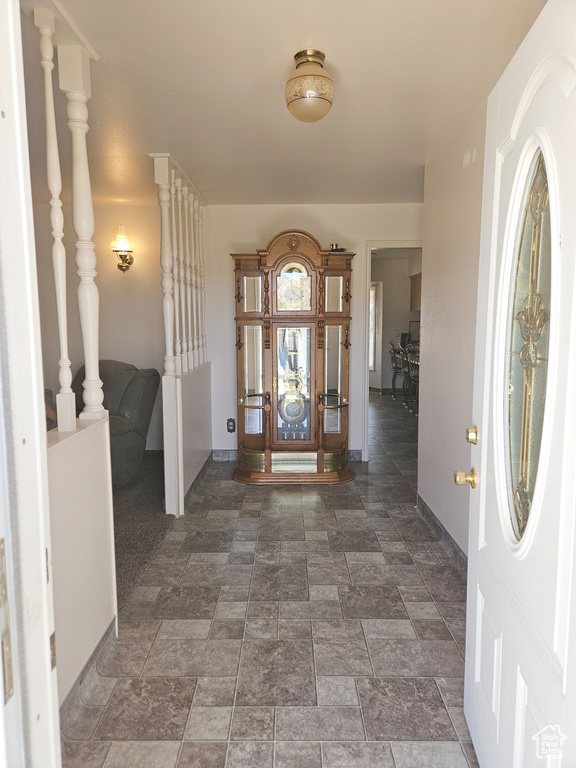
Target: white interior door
column 521, row 563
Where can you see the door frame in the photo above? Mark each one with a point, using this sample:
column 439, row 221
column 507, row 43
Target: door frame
column 369, row 246
column 30, row 720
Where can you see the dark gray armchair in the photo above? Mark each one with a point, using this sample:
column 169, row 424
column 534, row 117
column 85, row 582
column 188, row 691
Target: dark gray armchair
column 129, row 396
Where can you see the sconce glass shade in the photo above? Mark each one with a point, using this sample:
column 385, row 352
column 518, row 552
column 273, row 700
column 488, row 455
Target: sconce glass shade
column 309, row 90
column 123, row 248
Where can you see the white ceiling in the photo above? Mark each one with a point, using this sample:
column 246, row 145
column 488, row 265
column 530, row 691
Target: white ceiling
column 204, row 80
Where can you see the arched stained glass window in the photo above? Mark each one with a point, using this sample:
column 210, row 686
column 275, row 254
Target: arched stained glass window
column 529, row 328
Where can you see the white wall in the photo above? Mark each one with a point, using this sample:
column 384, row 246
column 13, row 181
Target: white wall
column 396, row 314
column 130, row 303
column 244, row 229
column 452, row 212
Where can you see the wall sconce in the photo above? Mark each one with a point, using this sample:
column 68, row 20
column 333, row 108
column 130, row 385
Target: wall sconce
column 123, row 248
column 309, row 90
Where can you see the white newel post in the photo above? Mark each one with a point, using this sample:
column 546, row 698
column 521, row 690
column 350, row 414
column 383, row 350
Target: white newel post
column 188, row 320
column 182, row 279
column 197, row 287
column 65, row 399
column 193, row 310
column 202, row 286
column 162, row 179
column 74, row 72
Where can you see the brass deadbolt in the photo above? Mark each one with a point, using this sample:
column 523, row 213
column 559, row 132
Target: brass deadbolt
column 460, row 478
column 472, row 435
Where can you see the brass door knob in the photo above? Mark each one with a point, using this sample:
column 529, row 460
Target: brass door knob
column 460, row 478
column 472, row 435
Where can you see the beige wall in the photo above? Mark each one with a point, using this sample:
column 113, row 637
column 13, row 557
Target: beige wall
column 130, row 303
column 452, row 213
column 244, row 229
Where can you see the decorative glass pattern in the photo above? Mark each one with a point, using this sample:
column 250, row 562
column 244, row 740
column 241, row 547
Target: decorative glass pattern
column 529, row 325
column 293, row 383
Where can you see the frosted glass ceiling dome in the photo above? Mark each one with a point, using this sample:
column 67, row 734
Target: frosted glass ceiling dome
column 309, row 90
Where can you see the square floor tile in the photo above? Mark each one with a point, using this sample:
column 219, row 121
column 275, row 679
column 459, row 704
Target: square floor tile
column 276, row 673
column 88, row 754
column 431, row 754
column 215, row 691
column 358, row 755
column 227, row 629
column 354, row 542
column 193, row 658
column 372, row 603
column 298, row 754
column 144, row 754
column 415, row 658
column 279, row 582
column 144, row 709
column 185, row 603
column 208, row 724
column 253, row 724
column 252, row 754
column 337, row 691
column 126, row 656
column 404, row 709
column 203, row 755
column 319, row 724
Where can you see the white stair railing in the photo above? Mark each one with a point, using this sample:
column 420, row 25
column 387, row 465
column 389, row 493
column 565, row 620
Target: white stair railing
column 74, row 75
column 65, row 399
column 182, row 261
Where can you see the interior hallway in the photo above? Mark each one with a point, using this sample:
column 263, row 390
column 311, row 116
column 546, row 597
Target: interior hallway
column 288, row 627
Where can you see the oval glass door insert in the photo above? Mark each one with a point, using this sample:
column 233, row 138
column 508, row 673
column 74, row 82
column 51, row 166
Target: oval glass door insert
column 529, row 328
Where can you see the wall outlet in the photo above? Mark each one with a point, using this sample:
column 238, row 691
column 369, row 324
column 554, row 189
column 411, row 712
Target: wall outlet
column 231, row 425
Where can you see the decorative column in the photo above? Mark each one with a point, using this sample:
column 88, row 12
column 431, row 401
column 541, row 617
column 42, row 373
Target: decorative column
column 162, row 179
column 188, row 319
column 74, row 73
column 65, row 399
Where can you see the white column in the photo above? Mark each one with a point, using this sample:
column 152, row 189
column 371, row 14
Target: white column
column 197, row 285
column 65, row 399
column 204, row 357
column 189, row 343
column 175, row 276
column 74, row 72
column 162, row 179
column 182, row 279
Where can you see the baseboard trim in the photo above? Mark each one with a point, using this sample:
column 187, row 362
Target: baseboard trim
column 71, row 699
column 224, row 455
column 456, row 554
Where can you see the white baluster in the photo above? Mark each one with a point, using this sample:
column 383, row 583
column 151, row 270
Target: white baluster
column 65, row 399
column 189, row 349
column 182, row 280
column 175, row 275
column 197, row 285
column 162, row 179
column 202, row 286
column 74, row 72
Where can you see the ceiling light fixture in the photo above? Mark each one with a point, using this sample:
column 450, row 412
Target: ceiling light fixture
column 124, row 249
column 309, row 90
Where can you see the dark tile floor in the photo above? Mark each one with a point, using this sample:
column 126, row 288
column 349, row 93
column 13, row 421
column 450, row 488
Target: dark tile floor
column 288, row 627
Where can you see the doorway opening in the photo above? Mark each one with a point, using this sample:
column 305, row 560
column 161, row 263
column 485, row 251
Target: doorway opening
column 393, row 279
